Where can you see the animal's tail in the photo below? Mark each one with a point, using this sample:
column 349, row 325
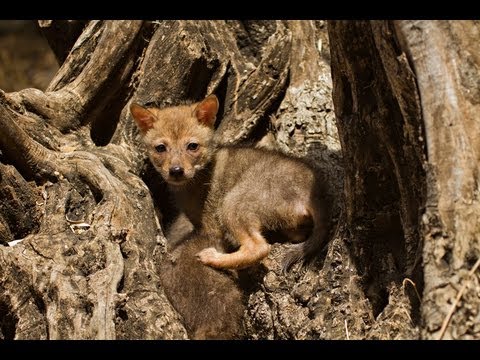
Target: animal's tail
column 305, row 252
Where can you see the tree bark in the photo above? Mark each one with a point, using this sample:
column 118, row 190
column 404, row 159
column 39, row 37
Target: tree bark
column 82, row 211
column 446, row 57
column 405, row 100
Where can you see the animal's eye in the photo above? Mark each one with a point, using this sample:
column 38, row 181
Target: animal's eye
column 192, row 146
column 160, row 148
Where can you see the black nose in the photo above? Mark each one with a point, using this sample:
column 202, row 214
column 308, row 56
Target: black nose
column 176, row 171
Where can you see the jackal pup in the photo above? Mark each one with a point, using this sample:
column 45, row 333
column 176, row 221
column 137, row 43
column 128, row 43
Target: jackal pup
column 233, row 192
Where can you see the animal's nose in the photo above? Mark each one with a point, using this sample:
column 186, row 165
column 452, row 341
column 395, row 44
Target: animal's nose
column 176, row 171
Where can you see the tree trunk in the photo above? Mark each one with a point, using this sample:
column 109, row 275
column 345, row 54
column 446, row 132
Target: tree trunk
column 82, row 211
column 405, row 95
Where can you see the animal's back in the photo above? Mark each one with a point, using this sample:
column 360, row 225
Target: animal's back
column 275, row 175
column 262, row 181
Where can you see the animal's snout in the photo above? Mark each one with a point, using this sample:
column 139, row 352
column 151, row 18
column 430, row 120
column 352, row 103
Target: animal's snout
column 176, row 171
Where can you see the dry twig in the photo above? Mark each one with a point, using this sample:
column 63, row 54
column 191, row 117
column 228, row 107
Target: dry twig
column 457, row 300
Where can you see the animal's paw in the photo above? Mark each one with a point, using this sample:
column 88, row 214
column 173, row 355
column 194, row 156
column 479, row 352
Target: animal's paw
column 209, row 256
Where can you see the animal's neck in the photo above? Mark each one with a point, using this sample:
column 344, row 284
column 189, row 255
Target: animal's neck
column 191, row 197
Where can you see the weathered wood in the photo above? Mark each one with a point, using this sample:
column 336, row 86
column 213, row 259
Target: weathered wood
column 379, row 125
column 256, row 95
column 5, row 233
column 405, row 95
column 61, row 35
column 20, row 204
column 30, row 157
column 445, row 56
column 83, row 88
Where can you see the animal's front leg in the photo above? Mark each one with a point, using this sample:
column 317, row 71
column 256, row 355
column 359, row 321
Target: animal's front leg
column 253, row 248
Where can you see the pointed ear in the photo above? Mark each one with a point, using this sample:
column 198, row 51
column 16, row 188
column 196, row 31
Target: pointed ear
column 142, row 117
column 206, row 110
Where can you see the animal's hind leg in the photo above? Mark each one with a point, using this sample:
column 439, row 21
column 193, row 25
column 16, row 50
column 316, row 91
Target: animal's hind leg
column 253, row 248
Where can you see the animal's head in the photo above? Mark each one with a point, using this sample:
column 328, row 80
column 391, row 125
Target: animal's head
column 178, row 138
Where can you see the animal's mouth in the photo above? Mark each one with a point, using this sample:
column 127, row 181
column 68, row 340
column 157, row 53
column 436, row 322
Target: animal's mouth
column 177, row 181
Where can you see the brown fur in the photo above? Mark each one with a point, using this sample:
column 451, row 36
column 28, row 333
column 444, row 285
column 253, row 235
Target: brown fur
column 234, row 192
column 209, row 300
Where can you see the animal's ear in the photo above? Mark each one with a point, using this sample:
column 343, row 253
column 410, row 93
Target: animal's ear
column 142, row 117
column 206, row 111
